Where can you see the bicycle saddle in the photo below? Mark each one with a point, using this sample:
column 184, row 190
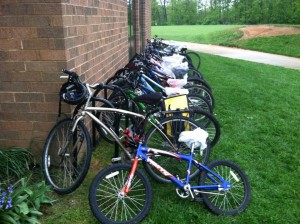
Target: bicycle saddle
column 151, row 99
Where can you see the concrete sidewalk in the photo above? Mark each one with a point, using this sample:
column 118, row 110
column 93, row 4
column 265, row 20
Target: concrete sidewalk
column 247, row 55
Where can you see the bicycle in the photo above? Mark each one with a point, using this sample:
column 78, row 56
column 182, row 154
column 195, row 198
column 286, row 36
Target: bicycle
column 122, row 193
column 67, row 151
column 199, row 109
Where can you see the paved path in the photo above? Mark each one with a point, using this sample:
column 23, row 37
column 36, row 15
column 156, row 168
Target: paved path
column 237, row 53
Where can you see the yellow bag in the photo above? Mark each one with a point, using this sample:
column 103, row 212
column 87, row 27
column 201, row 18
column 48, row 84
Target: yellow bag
column 174, row 103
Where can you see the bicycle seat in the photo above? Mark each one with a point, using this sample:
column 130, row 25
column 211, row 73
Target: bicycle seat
column 197, row 137
column 151, row 99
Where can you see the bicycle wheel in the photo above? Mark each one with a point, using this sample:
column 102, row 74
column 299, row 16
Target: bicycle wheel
column 109, row 206
column 209, row 124
column 66, row 156
column 224, row 202
column 195, row 58
column 201, row 91
column 172, row 127
column 197, row 81
column 194, row 73
column 196, row 101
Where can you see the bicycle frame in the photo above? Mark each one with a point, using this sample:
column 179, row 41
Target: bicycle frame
column 142, row 152
column 88, row 111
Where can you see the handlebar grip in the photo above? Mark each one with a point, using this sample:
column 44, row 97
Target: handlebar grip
column 72, row 75
column 64, row 77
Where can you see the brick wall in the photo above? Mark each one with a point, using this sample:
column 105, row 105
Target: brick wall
column 146, row 20
column 38, row 39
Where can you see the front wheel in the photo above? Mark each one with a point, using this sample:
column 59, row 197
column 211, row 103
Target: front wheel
column 66, row 156
column 226, row 202
column 109, row 206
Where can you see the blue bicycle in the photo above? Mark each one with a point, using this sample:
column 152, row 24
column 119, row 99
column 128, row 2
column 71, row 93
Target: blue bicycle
column 122, row 193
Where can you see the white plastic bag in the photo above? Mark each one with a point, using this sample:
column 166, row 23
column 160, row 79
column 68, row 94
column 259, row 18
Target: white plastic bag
column 175, row 91
column 177, row 83
column 197, row 136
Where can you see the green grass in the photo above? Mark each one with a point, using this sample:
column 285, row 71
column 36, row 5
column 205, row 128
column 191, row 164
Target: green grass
column 285, row 45
column 229, row 35
column 197, row 33
column 258, row 108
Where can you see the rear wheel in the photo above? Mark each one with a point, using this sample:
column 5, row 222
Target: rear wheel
column 226, row 202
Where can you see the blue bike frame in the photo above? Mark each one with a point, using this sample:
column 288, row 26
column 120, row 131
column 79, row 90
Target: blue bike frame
column 142, row 152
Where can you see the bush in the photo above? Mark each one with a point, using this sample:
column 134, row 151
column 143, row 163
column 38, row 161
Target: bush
column 15, row 163
column 21, row 202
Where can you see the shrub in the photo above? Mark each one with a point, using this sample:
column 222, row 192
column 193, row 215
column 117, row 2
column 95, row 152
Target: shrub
column 21, row 202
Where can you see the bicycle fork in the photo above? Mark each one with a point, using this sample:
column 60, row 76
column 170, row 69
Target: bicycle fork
column 130, row 177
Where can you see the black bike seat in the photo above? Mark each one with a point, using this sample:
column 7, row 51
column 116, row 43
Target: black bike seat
column 151, row 98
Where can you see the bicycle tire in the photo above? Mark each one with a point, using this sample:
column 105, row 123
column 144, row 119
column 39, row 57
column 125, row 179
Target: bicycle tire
column 194, row 73
column 104, row 192
column 195, row 101
column 66, row 156
column 202, row 91
column 154, row 139
column 209, row 123
column 237, row 198
column 197, row 58
column 197, row 81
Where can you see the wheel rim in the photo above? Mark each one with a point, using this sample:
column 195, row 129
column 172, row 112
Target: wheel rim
column 66, row 156
column 115, row 206
column 227, row 200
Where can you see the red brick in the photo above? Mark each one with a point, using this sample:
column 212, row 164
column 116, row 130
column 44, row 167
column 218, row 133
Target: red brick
column 16, row 125
column 20, row 116
column 29, row 97
column 42, row 66
column 51, row 87
column 21, row 76
column 42, row 126
column 23, row 55
column 6, row 97
column 48, row 9
column 11, row 66
column 52, row 55
column 15, row 107
column 19, row 32
column 11, row 44
column 14, row 86
column 36, row 44
column 44, row 107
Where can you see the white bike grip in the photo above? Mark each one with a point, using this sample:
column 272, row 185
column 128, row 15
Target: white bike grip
column 64, row 77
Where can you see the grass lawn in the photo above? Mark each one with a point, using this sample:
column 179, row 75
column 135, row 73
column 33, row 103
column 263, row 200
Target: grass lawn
column 288, row 45
column 197, row 33
column 258, row 108
column 228, row 35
